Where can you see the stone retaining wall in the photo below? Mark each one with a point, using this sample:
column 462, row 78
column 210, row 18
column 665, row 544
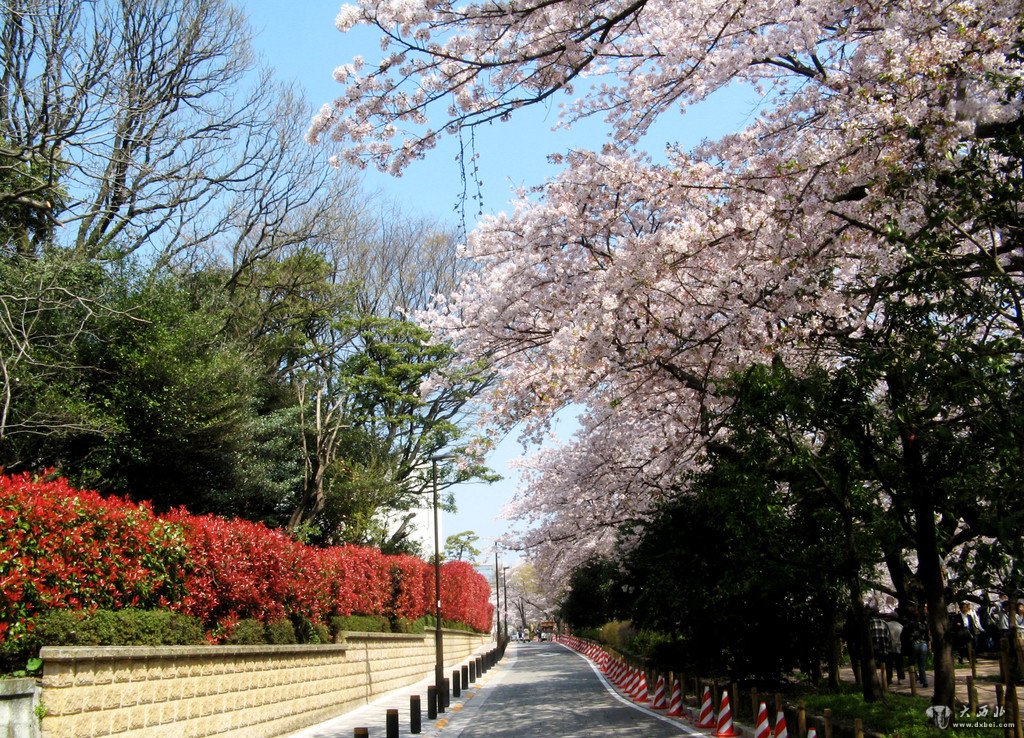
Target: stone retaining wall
column 236, row 691
column 18, row 701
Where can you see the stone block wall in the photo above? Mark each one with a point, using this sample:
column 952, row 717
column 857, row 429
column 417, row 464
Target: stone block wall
column 232, row 691
column 18, row 701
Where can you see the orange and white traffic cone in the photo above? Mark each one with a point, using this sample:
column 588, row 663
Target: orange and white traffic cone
column 640, row 694
column 659, row 702
column 675, row 703
column 780, row 726
column 725, row 729
column 764, row 728
column 707, row 711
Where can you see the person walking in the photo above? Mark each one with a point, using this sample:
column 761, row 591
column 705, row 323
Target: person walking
column 914, row 639
column 878, row 632
column 894, row 661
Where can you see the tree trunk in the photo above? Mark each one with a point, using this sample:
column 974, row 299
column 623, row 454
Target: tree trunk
column 930, row 574
column 312, row 501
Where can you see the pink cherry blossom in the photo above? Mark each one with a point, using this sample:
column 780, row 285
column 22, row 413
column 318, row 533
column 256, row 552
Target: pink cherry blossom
column 631, row 284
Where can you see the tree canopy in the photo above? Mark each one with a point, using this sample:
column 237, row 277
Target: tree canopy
column 865, row 224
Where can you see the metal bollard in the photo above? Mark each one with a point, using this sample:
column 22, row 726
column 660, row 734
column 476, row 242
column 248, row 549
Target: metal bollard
column 432, row 702
column 361, row 733
column 391, row 723
column 415, row 717
column 465, row 676
column 456, row 683
column 446, row 692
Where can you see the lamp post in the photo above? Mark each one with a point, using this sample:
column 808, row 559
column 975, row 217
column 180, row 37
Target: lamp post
column 504, row 586
column 438, row 639
column 498, row 606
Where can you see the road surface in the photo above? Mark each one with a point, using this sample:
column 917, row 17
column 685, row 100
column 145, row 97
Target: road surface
column 549, row 690
column 539, row 690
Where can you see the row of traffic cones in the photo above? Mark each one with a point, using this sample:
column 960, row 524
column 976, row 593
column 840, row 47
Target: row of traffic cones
column 633, row 682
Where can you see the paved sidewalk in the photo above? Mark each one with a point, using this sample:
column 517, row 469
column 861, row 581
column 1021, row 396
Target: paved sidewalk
column 373, row 715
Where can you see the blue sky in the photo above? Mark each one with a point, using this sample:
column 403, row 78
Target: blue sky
column 299, row 41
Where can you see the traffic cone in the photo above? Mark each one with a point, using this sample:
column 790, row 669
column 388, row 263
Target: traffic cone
column 780, row 726
column 675, row 704
column 707, row 711
column 725, row 729
column 659, row 702
column 640, row 694
column 764, row 728
column 629, row 678
column 812, row 733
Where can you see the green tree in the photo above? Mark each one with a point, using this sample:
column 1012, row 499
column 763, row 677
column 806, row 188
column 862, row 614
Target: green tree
column 461, row 544
column 595, row 594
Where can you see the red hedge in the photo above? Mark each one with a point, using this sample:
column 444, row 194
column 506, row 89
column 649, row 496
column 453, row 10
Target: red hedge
column 70, row 549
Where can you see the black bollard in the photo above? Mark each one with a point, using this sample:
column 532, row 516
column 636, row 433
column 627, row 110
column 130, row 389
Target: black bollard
column 391, row 724
column 431, row 702
column 446, row 692
column 480, row 666
column 361, row 733
column 415, row 718
column 465, row 676
column 439, row 696
column 456, row 683
column 472, row 671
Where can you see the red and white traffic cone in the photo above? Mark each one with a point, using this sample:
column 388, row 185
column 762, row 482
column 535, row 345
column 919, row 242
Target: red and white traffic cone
column 659, row 702
column 707, row 711
column 812, row 733
column 631, row 681
column 675, row 703
column 764, row 728
column 780, row 726
column 640, row 694
column 725, row 729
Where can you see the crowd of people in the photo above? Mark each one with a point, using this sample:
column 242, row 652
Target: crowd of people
column 904, row 639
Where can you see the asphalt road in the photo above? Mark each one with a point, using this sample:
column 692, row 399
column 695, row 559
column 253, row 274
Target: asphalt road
column 549, row 690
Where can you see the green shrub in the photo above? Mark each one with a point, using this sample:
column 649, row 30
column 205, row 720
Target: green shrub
column 618, row 634
column 247, row 632
column 307, row 631
column 359, row 624
column 281, row 632
column 129, row 627
column 404, row 625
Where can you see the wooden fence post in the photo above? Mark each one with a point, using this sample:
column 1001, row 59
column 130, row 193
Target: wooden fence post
column 1011, row 698
column 828, row 722
column 1001, row 709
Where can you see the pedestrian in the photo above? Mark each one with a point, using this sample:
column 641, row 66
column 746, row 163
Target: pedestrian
column 914, row 639
column 894, row 661
column 965, row 629
column 878, row 633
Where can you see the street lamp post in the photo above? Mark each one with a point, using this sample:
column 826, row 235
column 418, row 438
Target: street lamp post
column 438, row 639
column 504, row 585
column 497, row 594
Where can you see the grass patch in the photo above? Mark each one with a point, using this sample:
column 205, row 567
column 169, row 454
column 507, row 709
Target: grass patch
column 900, row 716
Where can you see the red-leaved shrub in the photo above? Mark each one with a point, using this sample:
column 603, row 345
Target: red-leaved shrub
column 62, row 548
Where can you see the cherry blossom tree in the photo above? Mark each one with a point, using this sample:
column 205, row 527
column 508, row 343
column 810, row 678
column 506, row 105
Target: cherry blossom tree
column 634, row 283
